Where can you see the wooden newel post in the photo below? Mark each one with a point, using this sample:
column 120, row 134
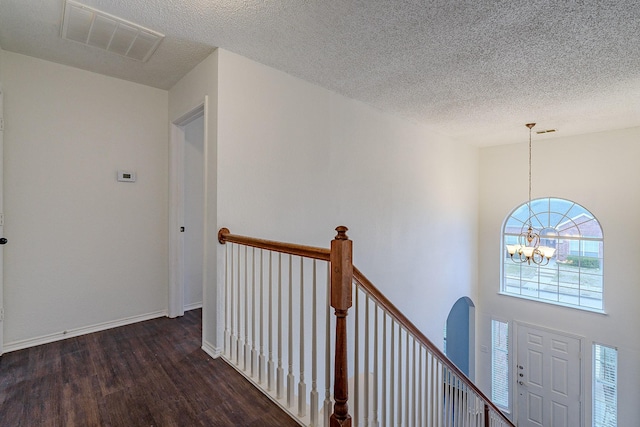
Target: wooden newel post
column 341, row 282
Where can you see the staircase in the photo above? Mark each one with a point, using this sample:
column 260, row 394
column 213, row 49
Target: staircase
column 314, row 334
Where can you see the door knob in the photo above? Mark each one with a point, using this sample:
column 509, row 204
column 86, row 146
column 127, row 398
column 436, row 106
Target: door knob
column 3, row 241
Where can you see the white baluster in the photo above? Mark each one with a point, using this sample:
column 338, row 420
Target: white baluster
column 461, row 404
column 245, row 301
column 407, row 399
column 270, row 363
column 356, row 356
column 436, row 394
column 413, row 382
column 446, row 398
column 227, row 333
column 449, row 397
column 290, row 377
column 428, row 378
column 313, row 397
column 462, row 398
column 254, row 314
column 457, row 402
column 432, row 378
column 376, row 371
column 240, row 344
column 234, row 337
column 327, row 356
column 366, row 361
column 261, row 359
column 392, row 382
column 400, row 375
column 280, row 371
column 438, row 391
column 247, row 345
column 420, row 400
column 302, row 387
column 384, row 372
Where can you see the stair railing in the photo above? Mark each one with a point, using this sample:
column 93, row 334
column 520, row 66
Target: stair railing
column 277, row 318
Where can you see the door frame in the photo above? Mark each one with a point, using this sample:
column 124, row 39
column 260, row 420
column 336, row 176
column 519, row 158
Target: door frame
column 514, row 368
column 176, row 208
column 1, row 220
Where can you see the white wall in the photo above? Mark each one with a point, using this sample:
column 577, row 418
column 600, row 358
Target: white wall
column 83, row 249
column 600, row 172
column 193, row 211
column 296, row 160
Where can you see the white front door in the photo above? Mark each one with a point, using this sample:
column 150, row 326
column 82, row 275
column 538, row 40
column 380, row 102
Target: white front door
column 547, row 378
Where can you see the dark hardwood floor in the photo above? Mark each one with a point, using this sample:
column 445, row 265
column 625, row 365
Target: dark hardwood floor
column 150, row 373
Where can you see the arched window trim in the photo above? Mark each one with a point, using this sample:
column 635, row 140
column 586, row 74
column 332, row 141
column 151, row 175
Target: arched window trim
column 568, row 220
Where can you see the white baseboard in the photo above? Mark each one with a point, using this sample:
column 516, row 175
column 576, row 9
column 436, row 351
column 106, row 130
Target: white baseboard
column 211, row 350
column 58, row 336
column 193, row 306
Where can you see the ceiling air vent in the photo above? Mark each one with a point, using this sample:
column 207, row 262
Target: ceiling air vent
column 98, row 29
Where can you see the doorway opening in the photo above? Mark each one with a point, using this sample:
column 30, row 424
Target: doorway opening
column 187, row 212
column 460, row 336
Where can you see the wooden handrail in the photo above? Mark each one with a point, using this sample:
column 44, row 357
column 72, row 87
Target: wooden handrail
column 395, row 313
column 224, row 236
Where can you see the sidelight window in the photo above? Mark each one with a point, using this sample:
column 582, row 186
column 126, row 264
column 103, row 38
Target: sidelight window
column 500, row 363
column 605, row 386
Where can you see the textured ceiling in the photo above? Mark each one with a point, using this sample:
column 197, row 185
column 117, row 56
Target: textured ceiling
column 474, row 70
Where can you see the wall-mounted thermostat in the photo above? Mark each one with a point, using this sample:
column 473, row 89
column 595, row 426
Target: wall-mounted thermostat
column 126, row 176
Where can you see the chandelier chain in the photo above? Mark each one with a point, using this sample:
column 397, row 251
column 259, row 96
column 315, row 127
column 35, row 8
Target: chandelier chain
column 528, row 248
column 529, row 165
column 530, row 126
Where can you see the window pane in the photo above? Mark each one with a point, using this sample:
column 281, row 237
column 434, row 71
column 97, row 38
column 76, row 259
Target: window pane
column 514, row 226
column 577, row 212
column 560, row 205
column 568, row 229
column 540, row 205
column 500, row 363
column 521, row 214
column 605, row 386
column 555, row 219
column 590, row 228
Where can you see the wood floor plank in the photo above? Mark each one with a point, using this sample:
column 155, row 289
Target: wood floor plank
column 152, row 373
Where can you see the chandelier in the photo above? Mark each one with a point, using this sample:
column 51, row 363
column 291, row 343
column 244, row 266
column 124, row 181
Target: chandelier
column 528, row 248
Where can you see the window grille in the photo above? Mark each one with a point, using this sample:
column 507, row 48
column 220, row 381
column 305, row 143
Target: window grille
column 574, row 276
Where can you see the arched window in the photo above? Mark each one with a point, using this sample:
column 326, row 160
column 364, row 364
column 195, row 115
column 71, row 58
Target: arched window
column 573, row 277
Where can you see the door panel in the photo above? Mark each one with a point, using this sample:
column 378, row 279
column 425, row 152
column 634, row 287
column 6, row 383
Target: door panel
column 548, row 378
